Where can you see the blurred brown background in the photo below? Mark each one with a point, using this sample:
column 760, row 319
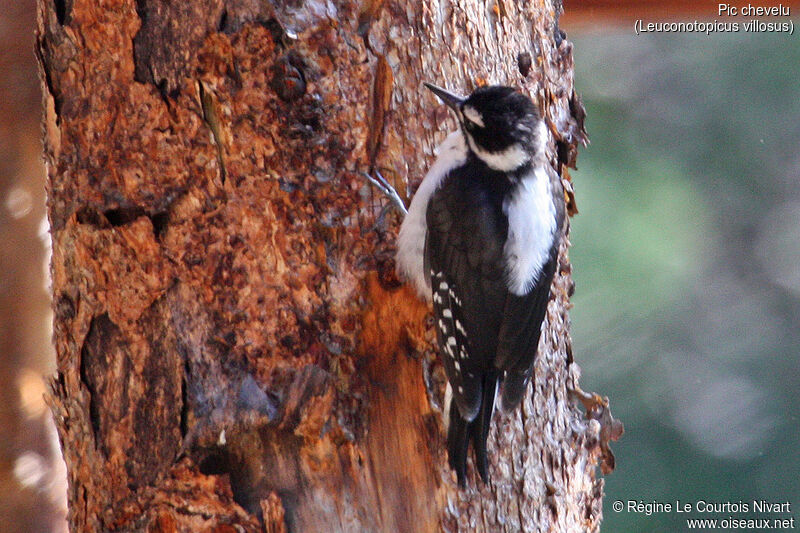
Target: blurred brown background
column 31, row 475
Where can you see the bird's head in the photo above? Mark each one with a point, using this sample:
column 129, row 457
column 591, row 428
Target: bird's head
column 502, row 126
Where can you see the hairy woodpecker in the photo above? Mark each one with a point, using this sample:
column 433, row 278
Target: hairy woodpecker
column 481, row 240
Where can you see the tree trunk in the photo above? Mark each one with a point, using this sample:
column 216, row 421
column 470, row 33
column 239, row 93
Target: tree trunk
column 233, row 348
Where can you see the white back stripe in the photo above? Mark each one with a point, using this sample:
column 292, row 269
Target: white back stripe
column 531, row 229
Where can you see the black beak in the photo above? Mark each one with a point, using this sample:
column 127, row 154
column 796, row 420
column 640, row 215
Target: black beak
column 453, row 101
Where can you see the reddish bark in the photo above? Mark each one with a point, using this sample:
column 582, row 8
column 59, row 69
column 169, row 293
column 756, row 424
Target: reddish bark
column 232, row 348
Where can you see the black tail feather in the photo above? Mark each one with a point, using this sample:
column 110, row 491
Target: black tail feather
column 461, row 432
column 458, row 443
column 480, row 426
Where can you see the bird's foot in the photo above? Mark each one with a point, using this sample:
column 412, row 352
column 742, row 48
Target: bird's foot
column 386, row 188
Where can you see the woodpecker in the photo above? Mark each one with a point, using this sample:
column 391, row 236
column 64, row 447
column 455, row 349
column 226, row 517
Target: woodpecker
column 480, row 240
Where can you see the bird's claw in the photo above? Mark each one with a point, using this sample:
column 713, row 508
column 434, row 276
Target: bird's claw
column 386, row 188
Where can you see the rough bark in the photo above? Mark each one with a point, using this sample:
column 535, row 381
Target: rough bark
column 233, row 349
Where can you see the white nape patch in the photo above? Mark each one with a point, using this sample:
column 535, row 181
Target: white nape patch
column 411, row 240
column 472, row 114
column 531, row 228
column 514, row 156
column 509, row 159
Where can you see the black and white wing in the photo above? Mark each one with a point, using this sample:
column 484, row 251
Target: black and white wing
column 464, row 256
column 536, row 215
column 519, row 335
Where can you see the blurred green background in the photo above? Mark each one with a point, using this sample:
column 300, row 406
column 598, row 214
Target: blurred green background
column 686, row 257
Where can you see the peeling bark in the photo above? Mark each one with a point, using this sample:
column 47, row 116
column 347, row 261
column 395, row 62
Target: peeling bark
column 233, row 349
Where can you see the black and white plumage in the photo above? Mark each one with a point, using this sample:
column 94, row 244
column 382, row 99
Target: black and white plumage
column 481, row 241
